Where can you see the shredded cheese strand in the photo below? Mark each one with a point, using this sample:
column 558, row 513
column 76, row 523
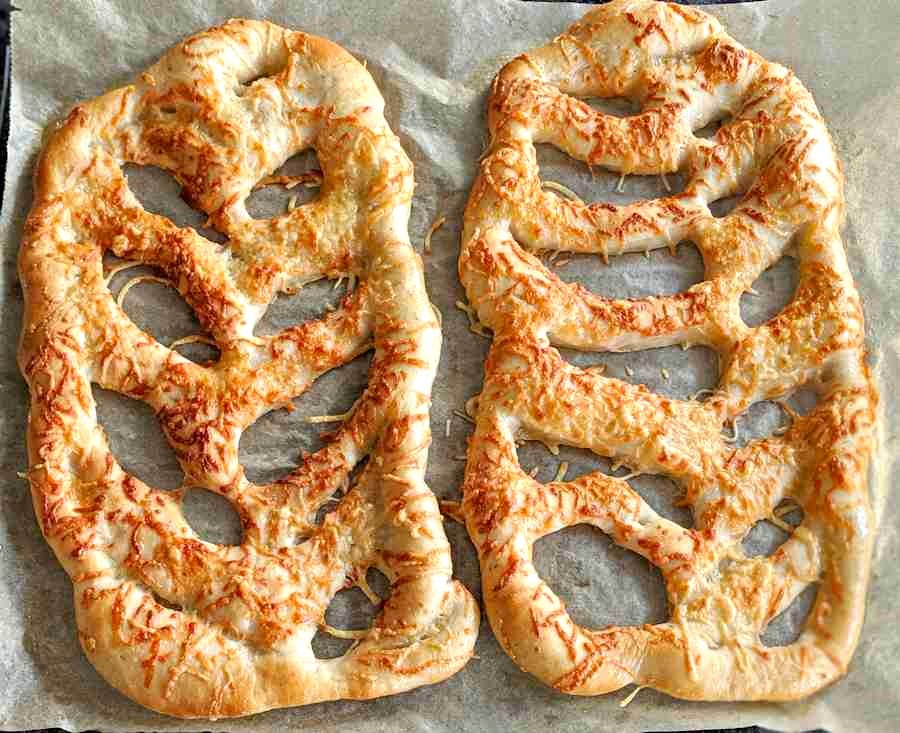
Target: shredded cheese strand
column 561, row 471
column 364, row 586
column 787, row 507
column 452, row 510
column 344, row 633
column 735, row 433
column 633, row 694
column 309, row 179
column 122, row 266
column 781, row 524
column 791, row 412
column 463, row 416
column 474, row 324
column 316, row 419
column 120, row 299
column 195, row 339
column 565, row 190
column 435, row 225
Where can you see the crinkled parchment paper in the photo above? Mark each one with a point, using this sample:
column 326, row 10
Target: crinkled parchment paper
column 433, row 62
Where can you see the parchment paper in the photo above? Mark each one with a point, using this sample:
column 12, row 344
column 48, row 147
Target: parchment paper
column 433, row 62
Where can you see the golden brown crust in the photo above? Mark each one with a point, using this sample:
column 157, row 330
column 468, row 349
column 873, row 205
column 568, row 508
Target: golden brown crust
column 184, row 626
column 685, row 72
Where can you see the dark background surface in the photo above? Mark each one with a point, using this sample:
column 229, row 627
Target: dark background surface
column 5, row 10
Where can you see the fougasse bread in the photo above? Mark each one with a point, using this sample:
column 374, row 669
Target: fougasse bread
column 180, row 625
column 773, row 150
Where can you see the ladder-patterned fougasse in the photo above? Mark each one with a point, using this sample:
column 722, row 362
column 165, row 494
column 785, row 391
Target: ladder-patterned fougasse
column 772, row 149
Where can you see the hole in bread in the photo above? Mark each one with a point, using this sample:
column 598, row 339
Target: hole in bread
column 159, row 192
column 763, row 539
column 295, row 183
column 787, row 626
column 768, row 418
column 165, row 603
column 662, row 494
column 724, row 206
column 613, row 106
column 159, row 309
column 248, row 78
column 136, row 439
column 212, row 517
column 596, row 184
column 350, row 610
column 600, row 583
column 310, row 302
column 774, row 288
column 803, row 400
column 633, row 275
column 708, row 131
column 671, row 371
column 767, row 535
column 378, row 583
column 272, row 446
column 331, row 502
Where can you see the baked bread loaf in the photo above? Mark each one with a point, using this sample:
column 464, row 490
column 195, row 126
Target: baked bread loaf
column 180, row 625
column 773, row 149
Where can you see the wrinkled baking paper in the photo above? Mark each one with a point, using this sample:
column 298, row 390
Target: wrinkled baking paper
column 434, row 62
